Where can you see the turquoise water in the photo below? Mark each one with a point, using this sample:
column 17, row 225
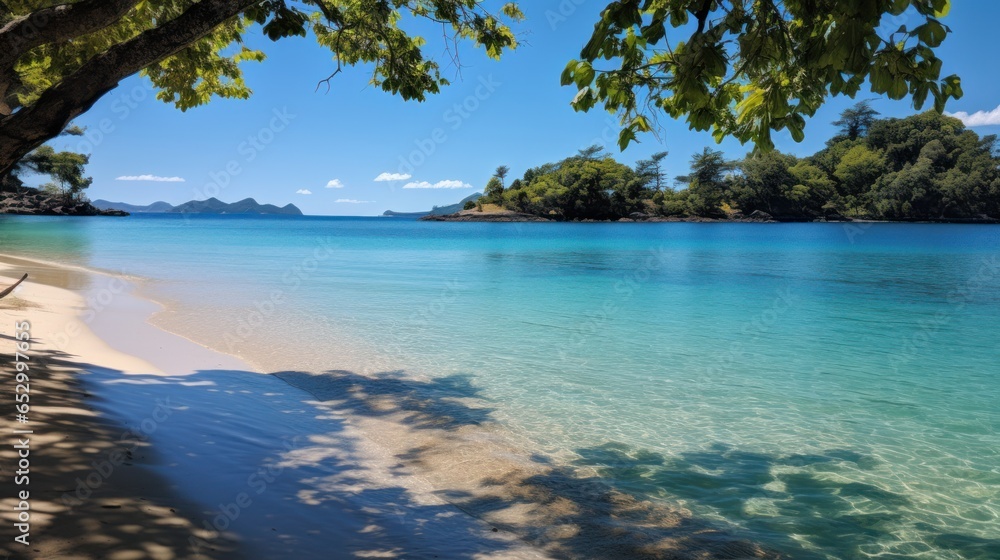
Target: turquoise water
column 831, row 390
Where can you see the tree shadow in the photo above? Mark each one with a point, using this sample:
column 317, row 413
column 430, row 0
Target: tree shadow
column 242, row 467
column 444, row 403
column 392, row 466
column 441, row 430
column 775, row 497
column 81, row 503
column 600, row 506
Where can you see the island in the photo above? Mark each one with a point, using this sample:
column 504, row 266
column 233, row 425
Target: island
column 923, row 168
column 437, row 210
column 209, row 206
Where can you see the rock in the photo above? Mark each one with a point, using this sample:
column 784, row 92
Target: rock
column 29, row 201
column 638, row 216
column 759, row 216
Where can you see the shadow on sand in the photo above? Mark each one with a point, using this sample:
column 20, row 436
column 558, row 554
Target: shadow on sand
column 274, row 469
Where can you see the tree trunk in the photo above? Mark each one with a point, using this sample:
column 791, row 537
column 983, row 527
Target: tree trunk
column 31, row 126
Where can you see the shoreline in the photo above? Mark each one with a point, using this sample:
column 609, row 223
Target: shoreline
column 759, row 218
column 176, row 403
column 372, row 459
column 89, row 488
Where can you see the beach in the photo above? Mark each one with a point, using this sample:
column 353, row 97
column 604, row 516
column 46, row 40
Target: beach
column 351, row 388
column 126, row 450
column 147, row 445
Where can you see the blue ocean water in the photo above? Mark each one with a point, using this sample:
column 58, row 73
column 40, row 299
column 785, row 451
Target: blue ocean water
column 833, row 390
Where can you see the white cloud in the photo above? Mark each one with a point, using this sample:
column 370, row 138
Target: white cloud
column 303, row 191
column 979, row 118
column 392, row 177
column 154, row 178
column 439, row 185
column 335, row 184
column 352, row 201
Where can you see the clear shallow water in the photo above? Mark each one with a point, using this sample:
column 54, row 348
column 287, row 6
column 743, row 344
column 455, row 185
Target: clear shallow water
column 831, row 390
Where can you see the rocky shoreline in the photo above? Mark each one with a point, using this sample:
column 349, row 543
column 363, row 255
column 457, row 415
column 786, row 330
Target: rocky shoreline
column 33, row 202
column 757, row 217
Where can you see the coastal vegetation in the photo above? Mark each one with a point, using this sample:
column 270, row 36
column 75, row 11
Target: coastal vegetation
column 745, row 68
column 924, row 167
column 62, row 194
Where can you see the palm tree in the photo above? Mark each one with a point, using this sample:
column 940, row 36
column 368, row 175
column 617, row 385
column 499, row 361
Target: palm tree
column 501, row 173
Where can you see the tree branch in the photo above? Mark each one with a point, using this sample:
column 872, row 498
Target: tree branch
column 31, row 126
column 55, row 24
column 9, row 290
column 58, row 24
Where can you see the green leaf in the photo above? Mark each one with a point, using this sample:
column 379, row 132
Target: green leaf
column 942, row 8
column 932, row 33
column 626, row 137
column 567, row 74
column 584, row 74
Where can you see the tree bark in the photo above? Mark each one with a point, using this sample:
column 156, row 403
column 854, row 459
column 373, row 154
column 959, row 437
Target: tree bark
column 52, row 25
column 44, row 119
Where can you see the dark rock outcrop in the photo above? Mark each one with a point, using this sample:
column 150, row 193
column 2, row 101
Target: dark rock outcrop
column 33, row 202
column 474, row 216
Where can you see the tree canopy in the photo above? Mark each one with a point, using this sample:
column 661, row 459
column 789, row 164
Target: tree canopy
column 65, row 170
column 924, row 167
column 57, row 58
column 746, row 68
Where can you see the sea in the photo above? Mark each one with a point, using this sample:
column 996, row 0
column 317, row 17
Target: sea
column 828, row 390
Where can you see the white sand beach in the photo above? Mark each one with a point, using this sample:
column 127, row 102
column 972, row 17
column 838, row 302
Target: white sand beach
column 147, row 445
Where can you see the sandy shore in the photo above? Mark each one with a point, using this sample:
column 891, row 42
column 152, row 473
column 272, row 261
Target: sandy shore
column 147, row 445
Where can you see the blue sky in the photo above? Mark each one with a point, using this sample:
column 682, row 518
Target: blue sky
column 289, row 138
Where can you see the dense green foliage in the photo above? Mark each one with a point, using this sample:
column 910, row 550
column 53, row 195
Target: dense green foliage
column 924, row 167
column 749, row 67
column 590, row 185
column 64, row 169
column 744, row 69
column 356, row 32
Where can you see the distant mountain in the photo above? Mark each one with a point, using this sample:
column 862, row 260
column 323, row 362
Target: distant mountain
column 210, row 206
column 133, row 208
column 245, row 206
column 437, row 210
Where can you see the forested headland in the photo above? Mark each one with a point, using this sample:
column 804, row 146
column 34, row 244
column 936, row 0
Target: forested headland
column 927, row 167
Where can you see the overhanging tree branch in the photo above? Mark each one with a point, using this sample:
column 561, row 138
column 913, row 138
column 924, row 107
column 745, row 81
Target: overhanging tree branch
column 55, row 24
column 31, row 126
